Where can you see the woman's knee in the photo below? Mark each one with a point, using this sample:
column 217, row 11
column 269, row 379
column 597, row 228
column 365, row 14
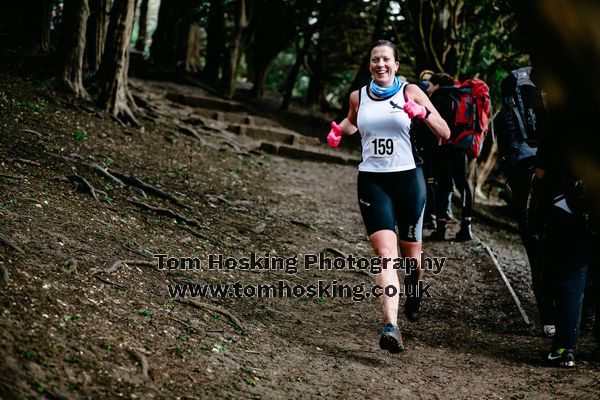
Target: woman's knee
column 385, row 243
column 411, row 249
column 385, row 251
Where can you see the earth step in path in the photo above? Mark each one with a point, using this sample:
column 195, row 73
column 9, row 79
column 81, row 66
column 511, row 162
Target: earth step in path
column 220, row 114
column 242, row 119
column 287, row 143
column 273, row 134
column 205, row 102
column 309, row 153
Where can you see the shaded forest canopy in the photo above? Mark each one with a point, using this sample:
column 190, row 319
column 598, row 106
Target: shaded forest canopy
column 310, row 49
column 311, row 52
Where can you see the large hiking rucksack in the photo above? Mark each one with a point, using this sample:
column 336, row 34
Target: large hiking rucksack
column 519, row 123
column 472, row 115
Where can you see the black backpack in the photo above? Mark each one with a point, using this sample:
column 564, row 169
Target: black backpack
column 521, row 120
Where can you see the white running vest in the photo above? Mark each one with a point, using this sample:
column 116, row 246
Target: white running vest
column 384, row 127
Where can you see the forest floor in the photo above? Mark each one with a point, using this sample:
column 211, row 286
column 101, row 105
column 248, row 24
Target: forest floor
column 72, row 326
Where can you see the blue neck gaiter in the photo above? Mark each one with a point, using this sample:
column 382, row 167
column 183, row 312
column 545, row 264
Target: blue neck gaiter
column 385, row 92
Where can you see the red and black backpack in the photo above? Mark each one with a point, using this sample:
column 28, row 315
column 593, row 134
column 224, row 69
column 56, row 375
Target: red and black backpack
column 472, row 104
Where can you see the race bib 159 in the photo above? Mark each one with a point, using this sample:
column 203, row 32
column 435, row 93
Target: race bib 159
column 382, row 147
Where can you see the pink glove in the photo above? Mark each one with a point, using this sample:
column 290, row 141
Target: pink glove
column 335, row 135
column 415, row 110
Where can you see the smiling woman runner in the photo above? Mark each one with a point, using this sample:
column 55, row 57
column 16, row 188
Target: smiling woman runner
column 391, row 186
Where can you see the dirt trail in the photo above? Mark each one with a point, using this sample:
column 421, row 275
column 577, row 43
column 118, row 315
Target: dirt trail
column 70, row 330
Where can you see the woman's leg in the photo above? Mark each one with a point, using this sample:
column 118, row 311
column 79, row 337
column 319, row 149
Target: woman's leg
column 412, row 303
column 411, row 202
column 413, row 250
column 385, row 244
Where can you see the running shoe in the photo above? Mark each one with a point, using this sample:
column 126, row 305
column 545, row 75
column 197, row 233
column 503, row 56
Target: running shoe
column 390, row 339
column 561, row 358
column 412, row 292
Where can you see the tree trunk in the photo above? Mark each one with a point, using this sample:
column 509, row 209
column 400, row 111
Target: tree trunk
column 192, row 54
column 215, row 47
column 234, row 51
column 140, row 45
column 170, row 40
column 75, row 15
column 314, row 92
column 421, row 18
column 31, row 20
column 96, row 34
column 260, row 75
column 114, row 94
column 293, row 75
column 43, row 39
column 163, row 50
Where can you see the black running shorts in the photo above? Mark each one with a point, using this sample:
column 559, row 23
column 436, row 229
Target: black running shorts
column 390, row 199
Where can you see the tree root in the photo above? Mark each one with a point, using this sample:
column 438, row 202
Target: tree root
column 101, row 279
column 141, row 358
column 11, row 176
column 167, row 212
column 87, row 185
column 303, row 224
column 141, row 251
column 336, row 252
column 134, row 181
column 196, row 233
column 104, row 172
column 32, row 131
column 119, row 263
column 10, row 244
column 191, row 132
column 121, row 179
column 62, row 157
column 118, row 120
column 188, row 326
column 210, row 307
column 124, row 114
column 23, row 161
column 138, row 191
column 231, row 144
column 4, row 275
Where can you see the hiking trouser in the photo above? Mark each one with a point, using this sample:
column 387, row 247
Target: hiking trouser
column 529, row 215
column 451, row 170
column 567, row 251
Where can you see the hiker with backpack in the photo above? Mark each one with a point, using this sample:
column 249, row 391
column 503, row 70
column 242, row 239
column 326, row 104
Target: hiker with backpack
column 518, row 127
column 569, row 244
column 391, row 186
column 424, row 78
column 553, row 210
column 465, row 107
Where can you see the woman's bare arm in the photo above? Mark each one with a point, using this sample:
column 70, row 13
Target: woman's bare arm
column 435, row 122
column 349, row 124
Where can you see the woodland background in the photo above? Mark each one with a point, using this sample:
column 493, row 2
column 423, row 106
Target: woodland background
column 312, row 51
column 90, row 88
